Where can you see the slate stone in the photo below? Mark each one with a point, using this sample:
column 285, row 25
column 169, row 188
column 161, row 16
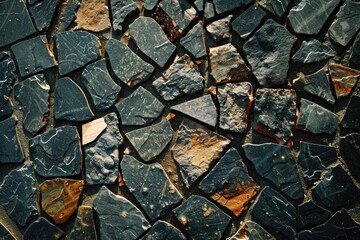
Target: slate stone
column 246, row 23
column 127, row 66
column 15, row 21
column 199, row 4
column 75, row 49
column 182, row 78
column 33, row 96
column 180, row 11
column 344, row 79
column 235, row 100
column 102, row 154
column 5, row 234
column 150, row 141
column 350, row 152
column 42, row 229
column 309, row 16
column 220, row 29
column 151, row 40
column 309, row 215
column 118, row 217
column 149, row 5
column 140, row 108
column 68, row 14
column 310, row 113
column 193, row 41
column 163, row 230
column 229, row 183
column 273, row 210
column 209, row 11
column 42, row 12
column 274, row 113
column 268, row 53
column 276, row 7
column 93, row 15
column 336, row 189
column 201, row 218
column 339, row 226
column 7, row 79
column 316, row 84
column 121, row 9
column 10, row 148
column 251, row 230
column 18, row 194
column 202, row 109
column 32, row 56
column 313, row 159
column 222, row 6
column 313, row 51
column 355, row 51
column 276, row 163
column 84, row 226
column 195, row 149
column 57, row 153
column 102, row 88
column 351, row 117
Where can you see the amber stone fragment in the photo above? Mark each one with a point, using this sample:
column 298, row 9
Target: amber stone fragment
column 93, row 15
column 343, row 78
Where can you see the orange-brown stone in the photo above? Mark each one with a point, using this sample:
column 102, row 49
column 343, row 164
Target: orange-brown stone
column 93, row 15
column 343, row 78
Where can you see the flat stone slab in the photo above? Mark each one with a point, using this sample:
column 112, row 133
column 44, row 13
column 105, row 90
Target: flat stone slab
column 220, row 29
column 102, row 154
column 273, row 210
column 33, row 97
column 246, row 23
column 201, row 218
column 195, row 149
column 276, row 7
column 351, row 119
column 42, row 12
column 150, row 141
column 42, row 229
column 151, row 40
column 140, row 108
column 229, row 183
column 350, row 152
column 251, row 230
column 10, row 148
column 127, row 66
column 355, row 51
column 276, row 163
column 102, row 88
column 149, row 5
column 222, row 6
column 7, row 79
column 84, row 226
column 313, row 51
column 274, row 113
column 193, row 41
column 120, row 10
column 344, row 79
column 227, row 65
column 163, row 230
column 181, row 12
column 68, row 14
column 268, row 53
column 118, row 217
column 18, row 194
column 209, row 11
column 182, row 78
column 93, row 15
column 309, row 215
column 310, row 113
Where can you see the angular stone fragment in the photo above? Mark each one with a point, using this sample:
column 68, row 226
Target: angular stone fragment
column 5, row 234
column 227, row 65
column 201, row 218
column 351, row 118
column 120, row 10
column 18, row 194
column 313, row 51
column 199, row 4
column 42, row 11
column 149, row 5
column 42, row 229
column 222, row 6
column 102, row 154
column 248, row 21
column 309, row 214
column 273, row 210
column 84, row 227
column 251, row 230
column 140, row 108
column 274, row 113
column 68, row 14
column 119, row 218
column 277, row 7
column 202, row 109
column 220, row 29
column 235, row 100
column 194, row 42
column 195, row 149
column 93, row 15
column 355, row 51
column 268, row 53
column 350, row 152
column 33, row 96
column 181, row 12
column 15, row 21
column 167, row 24
column 151, row 40
column 127, row 66
column 102, row 88
column 344, row 79
column 150, row 141
column 313, row 159
column 10, row 149
column 182, row 78
column 229, row 183
column 316, row 84
column 163, row 230
column 209, row 11
column 7, row 79
column 75, row 49
column 310, row 113
column 32, row 56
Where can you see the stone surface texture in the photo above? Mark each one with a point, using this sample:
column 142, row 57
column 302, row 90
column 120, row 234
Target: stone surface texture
column 42, row 229
column 7, row 79
column 194, row 42
column 344, row 79
column 313, row 51
column 10, row 148
column 93, row 15
column 84, row 227
column 120, row 10
column 246, row 23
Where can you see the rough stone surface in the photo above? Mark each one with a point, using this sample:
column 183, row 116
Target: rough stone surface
column 181, row 12
column 42, row 12
column 149, row 5
column 84, row 227
column 68, row 14
column 350, row 152
column 268, row 53
column 120, row 10
column 313, row 51
column 163, row 230
column 222, row 6
column 194, row 42
column 10, row 148
column 351, row 118
column 309, row 215
column 277, row 7
column 209, row 11
column 7, row 79
column 344, row 79
column 246, row 23
column 355, row 51
column 251, row 230
column 42, row 229
column 93, row 15
column 220, row 29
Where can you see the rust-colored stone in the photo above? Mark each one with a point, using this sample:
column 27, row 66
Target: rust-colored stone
column 166, row 24
column 93, row 15
column 343, row 78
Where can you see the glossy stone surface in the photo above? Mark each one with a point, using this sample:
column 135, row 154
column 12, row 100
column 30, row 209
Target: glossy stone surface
column 140, row 108
column 181, row 12
column 42, row 229
column 68, row 14
column 193, row 41
column 344, row 79
column 163, row 230
column 7, row 79
column 10, row 148
column 246, row 23
column 93, row 15
column 120, row 10
column 310, row 214
column 84, row 226
column 313, row 51
column 277, row 7
column 222, row 6
column 251, row 230
column 355, row 51
column 42, row 12
column 119, row 218
column 220, row 29
column 350, row 152
column 351, row 118
column 201, row 218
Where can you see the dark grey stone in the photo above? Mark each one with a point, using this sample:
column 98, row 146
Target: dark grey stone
column 180, row 11
column 149, row 5
column 102, row 88
column 68, row 15
column 42, row 229
column 120, row 10
column 127, row 66
column 351, row 118
column 246, row 23
column 5, row 234
column 18, row 194
column 42, row 12
column 84, row 226
column 209, row 10
column 350, row 152
column 163, row 230
column 313, row 51
column 309, row 215
column 201, row 218
column 222, row 6
column 355, row 51
column 119, row 218
column 251, row 230
column 150, row 141
column 10, row 148
column 193, row 41
column 277, row 7
column 7, row 79
column 268, row 53
column 151, row 40
column 140, row 108
column 220, row 29
column 33, row 97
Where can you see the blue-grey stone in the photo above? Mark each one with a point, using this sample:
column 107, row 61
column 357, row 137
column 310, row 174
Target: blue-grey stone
column 313, row 51
column 193, row 41
column 42, row 12
column 277, row 7
column 222, row 6
column 10, row 148
column 246, row 23
column 120, row 10
column 180, row 11
column 309, row 215
column 7, row 79
column 42, row 229
column 163, row 230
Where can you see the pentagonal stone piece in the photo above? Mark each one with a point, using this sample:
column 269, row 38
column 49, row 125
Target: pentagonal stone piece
column 7, row 79
column 42, row 12
column 277, row 7
column 344, row 79
column 246, row 23
column 93, row 15
column 310, row 214
column 163, row 230
column 10, row 148
column 220, row 29
column 222, row 6
column 181, row 12
column 350, row 152
column 120, row 10
column 193, row 41
column 84, row 227
column 251, row 230
column 313, row 51
column 42, row 229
